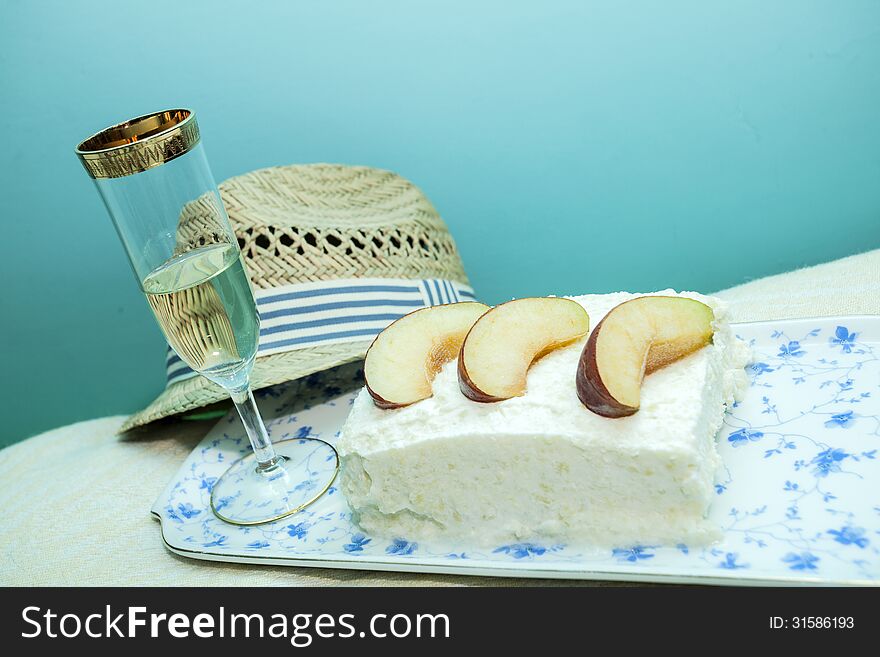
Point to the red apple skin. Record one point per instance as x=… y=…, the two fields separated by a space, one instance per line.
x=381 y=402
x=468 y=388
x=439 y=355
x=378 y=400
x=592 y=390
x=588 y=383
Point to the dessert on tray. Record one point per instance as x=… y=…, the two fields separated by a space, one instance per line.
x=589 y=419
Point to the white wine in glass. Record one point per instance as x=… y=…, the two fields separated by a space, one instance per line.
x=154 y=179
x=203 y=302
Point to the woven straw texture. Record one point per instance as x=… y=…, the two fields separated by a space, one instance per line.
x=313 y=222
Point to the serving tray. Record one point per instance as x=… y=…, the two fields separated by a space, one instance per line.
x=798 y=496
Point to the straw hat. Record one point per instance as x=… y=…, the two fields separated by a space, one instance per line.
x=320 y=232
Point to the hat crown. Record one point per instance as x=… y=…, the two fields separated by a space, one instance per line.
x=314 y=222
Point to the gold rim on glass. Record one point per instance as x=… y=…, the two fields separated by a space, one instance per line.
x=290 y=512
x=139 y=144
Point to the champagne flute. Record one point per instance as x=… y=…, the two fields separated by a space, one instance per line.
x=154 y=179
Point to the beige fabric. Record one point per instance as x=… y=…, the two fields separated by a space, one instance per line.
x=76 y=499
x=849 y=286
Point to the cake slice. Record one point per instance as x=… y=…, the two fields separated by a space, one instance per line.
x=542 y=465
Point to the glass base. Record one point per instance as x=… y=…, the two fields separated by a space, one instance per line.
x=246 y=495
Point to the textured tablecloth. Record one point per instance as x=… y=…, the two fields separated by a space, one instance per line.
x=76 y=500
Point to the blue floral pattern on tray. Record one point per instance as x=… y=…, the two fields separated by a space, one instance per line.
x=798 y=496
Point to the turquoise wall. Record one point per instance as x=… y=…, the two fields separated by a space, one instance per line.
x=571 y=146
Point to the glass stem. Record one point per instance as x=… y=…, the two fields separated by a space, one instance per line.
x=243 y=398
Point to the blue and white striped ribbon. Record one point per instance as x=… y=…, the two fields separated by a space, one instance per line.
x=350 y=310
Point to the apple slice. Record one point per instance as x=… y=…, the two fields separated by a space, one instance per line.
x=502 y=345
x=634 y=339
x=405 y=357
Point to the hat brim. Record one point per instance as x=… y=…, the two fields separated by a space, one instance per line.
x=197 y=391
